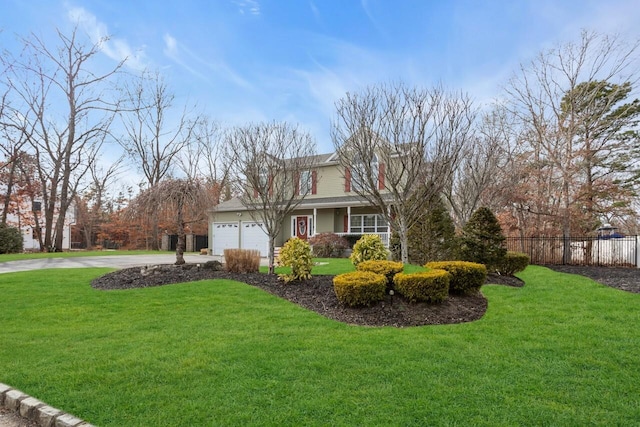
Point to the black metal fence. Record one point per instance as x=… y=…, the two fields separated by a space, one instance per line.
x=598 y=251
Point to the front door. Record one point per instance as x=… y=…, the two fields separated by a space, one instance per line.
x=302 y=227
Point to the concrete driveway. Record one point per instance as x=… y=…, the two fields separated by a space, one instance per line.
x=113 y=261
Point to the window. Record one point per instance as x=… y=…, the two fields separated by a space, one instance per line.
x=37 y=206
x=371 y=223
x=358 y=179
x=305 y=182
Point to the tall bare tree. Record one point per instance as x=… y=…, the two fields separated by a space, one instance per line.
x=475 y=181
x=266 y=160
x=203 y=158
x=155 y=131
x=399 y=146
x=62 y=104
x=94 y=199
x=550 y=96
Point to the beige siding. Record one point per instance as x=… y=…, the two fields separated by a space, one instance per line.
x=330 y=182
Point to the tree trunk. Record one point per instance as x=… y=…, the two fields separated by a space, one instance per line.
x=272 y=247
x=180 y=245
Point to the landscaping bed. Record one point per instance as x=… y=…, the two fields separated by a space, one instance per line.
x=316 y=294
x=623 y=278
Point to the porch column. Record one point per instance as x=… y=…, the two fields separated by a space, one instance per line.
x=348 y=219
x=315 y=221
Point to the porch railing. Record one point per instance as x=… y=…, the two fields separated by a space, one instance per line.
x=385 y=237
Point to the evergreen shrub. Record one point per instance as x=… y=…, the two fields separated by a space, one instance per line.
x=368 y=248
x=482 y=240
x=10 y=240
x=431 y=286
x=359 y=288
x=466 y=277
x=513 y=262
x=328 y=245
x=296 y=253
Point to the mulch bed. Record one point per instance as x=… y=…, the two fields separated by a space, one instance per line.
x=317 y=294
x=623 y=278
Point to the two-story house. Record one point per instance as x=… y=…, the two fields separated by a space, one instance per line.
x=331 y=205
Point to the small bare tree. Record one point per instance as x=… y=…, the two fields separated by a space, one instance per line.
x=266 y=160
x=399 y=146
x=184 y=201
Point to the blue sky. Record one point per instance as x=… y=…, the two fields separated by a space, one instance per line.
x=253 y=60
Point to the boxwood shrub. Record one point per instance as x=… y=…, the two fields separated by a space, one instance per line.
x=386 y=268
x=430 y=286
x=359 y=288
x=466 y=277
x=513 y=262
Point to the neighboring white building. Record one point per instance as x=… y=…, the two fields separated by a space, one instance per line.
x=22 y=218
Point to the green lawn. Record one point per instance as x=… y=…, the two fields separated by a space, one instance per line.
x=563 y=350
x=75 y=254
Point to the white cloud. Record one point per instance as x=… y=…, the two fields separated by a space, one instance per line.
x=179 y=53
x=250 y=6
x=115 y=48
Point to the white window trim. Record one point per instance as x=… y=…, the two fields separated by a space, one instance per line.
x=377 y=228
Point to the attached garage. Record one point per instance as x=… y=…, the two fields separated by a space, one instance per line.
x=254 y=237
x=226 y=235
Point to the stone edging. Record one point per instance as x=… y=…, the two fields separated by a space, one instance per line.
x=37 y=411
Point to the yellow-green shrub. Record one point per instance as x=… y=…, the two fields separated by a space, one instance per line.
x=369 y=247
x=386 y=268
x=430 y=286
x=466 y=277
x=359 y=288
x=296 y=253
x=513 y=262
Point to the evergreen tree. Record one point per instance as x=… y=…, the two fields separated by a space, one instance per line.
x=433 y=237
x=482 y=240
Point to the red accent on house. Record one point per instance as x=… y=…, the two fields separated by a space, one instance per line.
x=381 y=176
x=296 y=183
x=255 y=192
x=347 y=180
x=270 y=185
x=346 y=223
x=314 y=182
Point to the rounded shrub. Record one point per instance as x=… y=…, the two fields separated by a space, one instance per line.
x=430 y=286
x=466 y=277
x=296 y=253
x=513 y=262
x=10 y=240
x=328 y=245
x=386 y=268
x=359 y=288
x=368 y=248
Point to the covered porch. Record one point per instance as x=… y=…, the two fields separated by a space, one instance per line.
x=352 y=219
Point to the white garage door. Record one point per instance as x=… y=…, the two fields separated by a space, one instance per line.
x=225 y=236
x=254 y=237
